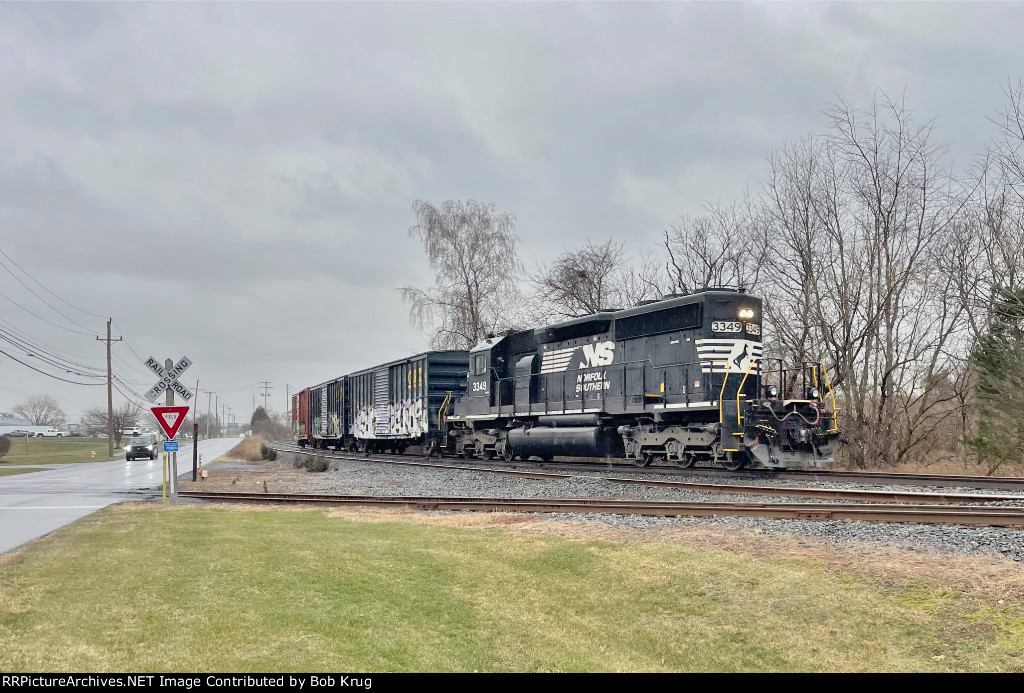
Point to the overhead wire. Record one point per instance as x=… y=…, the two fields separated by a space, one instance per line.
x=23 y=271
x=50 y=322
x=32 y=291
x=49 y=375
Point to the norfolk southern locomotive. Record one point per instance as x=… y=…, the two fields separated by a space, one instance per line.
x=683 y=379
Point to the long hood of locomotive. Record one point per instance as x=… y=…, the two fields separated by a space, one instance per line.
x=715 y=355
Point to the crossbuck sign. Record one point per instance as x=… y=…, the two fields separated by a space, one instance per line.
x=168 y=378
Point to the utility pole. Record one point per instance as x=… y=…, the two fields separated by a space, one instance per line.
x=110 y=390
x=209 y=398
x=266 y=392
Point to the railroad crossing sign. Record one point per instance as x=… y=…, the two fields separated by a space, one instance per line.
x=168 y=378
x=170 y=418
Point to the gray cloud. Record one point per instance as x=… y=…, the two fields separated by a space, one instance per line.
x=254 y=164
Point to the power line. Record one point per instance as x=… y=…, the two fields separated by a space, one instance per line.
x=66 y=329
x=46 y=357
x=31 y=291
x=81 y=310
x=38 y=343
x=49 y=375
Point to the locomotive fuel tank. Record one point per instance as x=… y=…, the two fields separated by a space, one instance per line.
x=576 y=441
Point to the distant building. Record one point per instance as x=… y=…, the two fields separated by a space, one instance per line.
x=14 y=421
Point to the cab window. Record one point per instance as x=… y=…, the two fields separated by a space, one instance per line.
x=479 y=364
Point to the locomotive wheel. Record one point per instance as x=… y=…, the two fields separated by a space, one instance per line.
x=645 y=460
x=686 y=462
x=733 y=461
x=506 y=452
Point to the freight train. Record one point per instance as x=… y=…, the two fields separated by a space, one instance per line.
x=683 y=380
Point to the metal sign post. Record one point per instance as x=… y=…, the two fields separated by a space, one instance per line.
x=170 y=417
x=195 y=450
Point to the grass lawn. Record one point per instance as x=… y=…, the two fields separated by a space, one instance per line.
x=148 y=588
x=59 y=450
x=21 y=470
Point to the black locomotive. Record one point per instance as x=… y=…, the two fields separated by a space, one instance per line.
x=682 y=379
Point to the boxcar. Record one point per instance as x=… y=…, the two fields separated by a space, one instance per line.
x=390 y=406
x=300 y=417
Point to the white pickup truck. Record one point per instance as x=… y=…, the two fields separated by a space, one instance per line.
x=51 y=432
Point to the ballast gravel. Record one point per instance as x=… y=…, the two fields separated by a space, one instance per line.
x=378 y=479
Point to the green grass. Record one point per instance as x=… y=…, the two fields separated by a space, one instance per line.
x=59 y=450
x=155 y=589
x=21 y=470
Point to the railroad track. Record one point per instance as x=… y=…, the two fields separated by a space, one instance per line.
x=915 y=514
x=879 y=478
x=865 y=495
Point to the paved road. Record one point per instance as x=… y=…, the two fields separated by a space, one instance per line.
x=35 y=504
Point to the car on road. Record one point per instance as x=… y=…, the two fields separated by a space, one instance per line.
x=50 y=433
x=140 y=446
x=132 y=431
x=20 y=433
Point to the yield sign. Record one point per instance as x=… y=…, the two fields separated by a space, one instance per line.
x=170 y=418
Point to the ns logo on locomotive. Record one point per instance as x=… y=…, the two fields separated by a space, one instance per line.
x=683 y=379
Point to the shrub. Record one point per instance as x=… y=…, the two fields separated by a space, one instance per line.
x=5 y=445
x=311 y=463
x=267 y=452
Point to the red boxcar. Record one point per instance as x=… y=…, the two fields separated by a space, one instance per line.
x=300 y=417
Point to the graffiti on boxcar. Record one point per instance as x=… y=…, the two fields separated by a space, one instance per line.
x=408 y=419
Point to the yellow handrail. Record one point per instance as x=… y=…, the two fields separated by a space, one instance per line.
x=721 y=409
x=739 y=392
x=831 y=394
x=443 y=409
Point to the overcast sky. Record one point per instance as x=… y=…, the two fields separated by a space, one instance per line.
x=234 y=182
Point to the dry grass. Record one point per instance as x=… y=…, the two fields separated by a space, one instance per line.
x=978 y=576
x=248 y=450
x=372 y=590
x=950 y=464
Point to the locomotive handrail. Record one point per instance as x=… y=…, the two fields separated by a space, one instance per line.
x=832 y=395
x=739 y=390
x=721 y=395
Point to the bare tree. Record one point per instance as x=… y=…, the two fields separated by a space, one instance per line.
x=41 y=410
x=580 y=282
x=712 y=250
x=94 y=421
x=594 y=277
x=127 y=415
x=472 y=251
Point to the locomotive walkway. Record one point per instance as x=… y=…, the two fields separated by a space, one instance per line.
x=35 y=504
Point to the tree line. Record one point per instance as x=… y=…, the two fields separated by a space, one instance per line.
x=873 y=255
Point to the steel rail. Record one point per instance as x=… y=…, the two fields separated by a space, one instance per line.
x=914 y=514
x=743 y=489
x=891 y=478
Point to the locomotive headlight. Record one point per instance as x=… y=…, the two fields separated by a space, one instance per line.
x=746 y=313
x=813 y=393
x=771 y=391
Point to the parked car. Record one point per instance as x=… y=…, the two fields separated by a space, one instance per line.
x=140 y=446
x=19 y=433
x=133 y=431
x=50 y=433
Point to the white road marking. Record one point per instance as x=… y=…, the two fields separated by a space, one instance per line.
x=50 y=507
